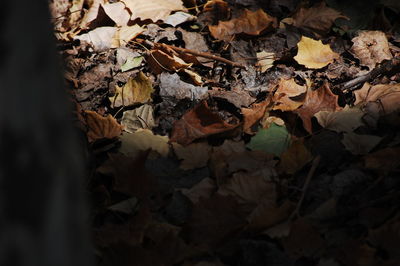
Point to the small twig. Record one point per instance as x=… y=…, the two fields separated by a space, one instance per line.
x=314 y=166
x=385 y=67
x=195 y=53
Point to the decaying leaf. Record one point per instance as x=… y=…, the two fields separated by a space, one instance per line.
x=172 y=86
x=133 y=144
x=318 y=19
x=252 y=115
x=200 y=122
x=360 y=144
x=131 y=63
x=294 y=158
x=165 y=60
x=314 y=54
x=346 y=120
x=385 y=160
x=101 y=127
x=141 y=117
x=152 y=9
x=288 y=95
x=321 y=99
x=386 y=96
x=136 y=90
x=249 y=22
x=193 y=156
x=371 y=47
x=265 y=60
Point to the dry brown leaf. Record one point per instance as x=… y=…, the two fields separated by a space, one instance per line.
x=386 y=96
x=117 y=12
x=294 y=158
x=252 y=115
x=314 y=54
x=152 y=9
x=384 y=160
x=125 y=34
x=265 y=60
x=249 y=22
x=137 y=90
x=199 y=122
x=193 y=156
x=161 y=60
x=288 y=95
x=318 y=19
x=213 y=220
x=204 y=189
x=321 y=99
x=100 y=127
x=371 y=47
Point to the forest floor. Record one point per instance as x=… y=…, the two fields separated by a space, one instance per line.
x=238 y=132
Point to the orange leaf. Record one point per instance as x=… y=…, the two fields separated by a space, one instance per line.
x=286 y=97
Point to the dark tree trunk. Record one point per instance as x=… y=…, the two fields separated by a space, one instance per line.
x=42 y=210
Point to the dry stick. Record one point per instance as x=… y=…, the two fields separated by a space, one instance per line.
x=385 y=67
x=195 y=53
x=305 y=186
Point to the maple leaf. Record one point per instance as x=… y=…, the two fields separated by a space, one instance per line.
x=137 y=90
x=314 y=54
x=371 y=47
x=101 y=127
x=318 y=18
x=321 y=99
x=200 y=122
x=249 y=22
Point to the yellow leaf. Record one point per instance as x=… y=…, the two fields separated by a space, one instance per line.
x=137 y=90
x=314 y=54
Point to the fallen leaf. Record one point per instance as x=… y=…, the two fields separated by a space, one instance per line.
x=213 y=220
x=199 y=122
x=125 y=34
x=321 y=99
x=161 y=60
x=288 y=95
x=100 y=38
x=133 y=144
x=303 y=240
x=101 y=127
x=130 y=175
x=249 y=22
x=251 y=189
x=204 y=189
x=117 y=12
x=265 y=60
x=294 y=158
x=172 y=86
x=274 y=140
x=178 y=18
x=136 y=90
x=314 y=54
x=346 y=120
x=385 y=160
x=269 y=214
x=152 y=9
x=252 y=115
x=131 y=63
x=371 y=47
x=193 y=156
x=360 y=144
x=318 y=18
x=141 y=117
x=386 y=96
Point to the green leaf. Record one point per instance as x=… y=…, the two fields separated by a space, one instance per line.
x=131 y=63
x=274 y=139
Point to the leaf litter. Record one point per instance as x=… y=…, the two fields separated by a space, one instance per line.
x=237 y=132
